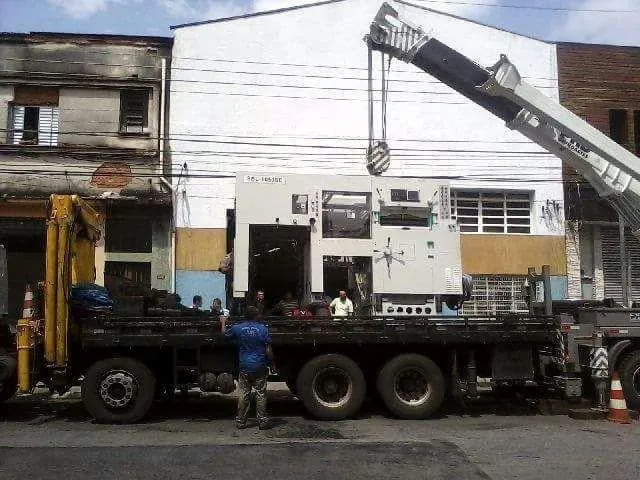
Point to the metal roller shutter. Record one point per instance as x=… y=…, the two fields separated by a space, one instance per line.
x=611 y=265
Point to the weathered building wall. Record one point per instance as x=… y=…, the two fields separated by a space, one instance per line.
x=595 y=82
x=286 y=92
x=96 y=115
x=81 y=114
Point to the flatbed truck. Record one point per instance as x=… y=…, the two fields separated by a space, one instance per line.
x=411 y=361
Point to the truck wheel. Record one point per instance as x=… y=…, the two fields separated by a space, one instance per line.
x=629 y=371
x=331 y=387
x=118 y=390
x=411 y=386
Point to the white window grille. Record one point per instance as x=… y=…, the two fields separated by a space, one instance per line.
x=492 y=212
x=32 y=125
x=495 y=294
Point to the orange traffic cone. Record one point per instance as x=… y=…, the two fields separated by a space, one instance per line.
x=27 y=306
x=617 y=405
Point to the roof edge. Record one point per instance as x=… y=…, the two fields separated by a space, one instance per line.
x=584 y=44
x=458 y=17
x=99 y=37
x=254 y=14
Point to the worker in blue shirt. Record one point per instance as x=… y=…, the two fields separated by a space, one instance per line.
x=255 y=354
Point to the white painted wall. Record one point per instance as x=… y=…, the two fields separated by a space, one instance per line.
x=427 y=121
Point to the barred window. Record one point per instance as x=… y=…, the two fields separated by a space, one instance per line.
x=134 y=106
x=495 y=294
x=492 y=212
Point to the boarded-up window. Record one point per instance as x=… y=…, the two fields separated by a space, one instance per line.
x=34 y=125
x=134 y=106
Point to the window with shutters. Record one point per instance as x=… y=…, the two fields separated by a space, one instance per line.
x=492 y=212
x=34 y=125
x=134 y=107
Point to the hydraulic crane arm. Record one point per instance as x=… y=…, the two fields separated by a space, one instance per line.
x=611 y=169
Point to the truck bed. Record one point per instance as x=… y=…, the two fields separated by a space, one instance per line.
x=106 y=331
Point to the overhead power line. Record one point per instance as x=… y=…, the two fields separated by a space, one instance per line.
x=179 y=137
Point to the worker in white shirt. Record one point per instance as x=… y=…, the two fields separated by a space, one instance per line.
x=217 y=308
x=341 y=306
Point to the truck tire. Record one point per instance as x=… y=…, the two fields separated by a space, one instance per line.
x=331 y=387
x=118 y=390
x=411 y=386
x=629 y=371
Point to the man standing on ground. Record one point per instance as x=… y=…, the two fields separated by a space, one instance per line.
x=254 y=348
x=341 y=306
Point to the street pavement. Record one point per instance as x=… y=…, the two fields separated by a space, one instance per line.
x=195 y=438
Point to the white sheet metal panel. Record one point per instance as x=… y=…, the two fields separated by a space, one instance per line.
x=407 y=260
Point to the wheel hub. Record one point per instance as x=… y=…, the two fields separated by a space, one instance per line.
x=412 y=386
x=117 y=389
x=636 y=380
x=332 y=387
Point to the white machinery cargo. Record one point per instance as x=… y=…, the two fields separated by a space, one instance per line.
x=390 y=241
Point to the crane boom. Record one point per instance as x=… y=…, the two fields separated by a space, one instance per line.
x=612 y=170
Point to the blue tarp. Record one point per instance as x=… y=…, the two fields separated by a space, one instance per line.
x=90 y=299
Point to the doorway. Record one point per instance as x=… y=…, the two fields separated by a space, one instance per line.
x=352 y=274
x=24 y=241
x=277 y=259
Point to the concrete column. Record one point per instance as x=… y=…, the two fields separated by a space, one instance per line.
x=574 y=277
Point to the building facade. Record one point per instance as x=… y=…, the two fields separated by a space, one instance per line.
x=601 y=84
x=85 y=114
x=286 y=91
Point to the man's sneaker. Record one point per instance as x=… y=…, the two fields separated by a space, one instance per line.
x=241 y=425
x=264 y=425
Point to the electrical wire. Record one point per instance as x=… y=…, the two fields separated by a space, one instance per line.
x=179 y=135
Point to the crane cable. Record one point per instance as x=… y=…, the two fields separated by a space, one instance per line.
x=378 y=157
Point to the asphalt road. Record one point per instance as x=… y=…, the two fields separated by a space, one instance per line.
x=196 y=438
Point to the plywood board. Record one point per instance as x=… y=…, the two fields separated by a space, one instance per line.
x=200 y=248
x=23 y=210
x=512 y=254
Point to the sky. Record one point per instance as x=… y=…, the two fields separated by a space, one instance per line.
x=592 y=21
